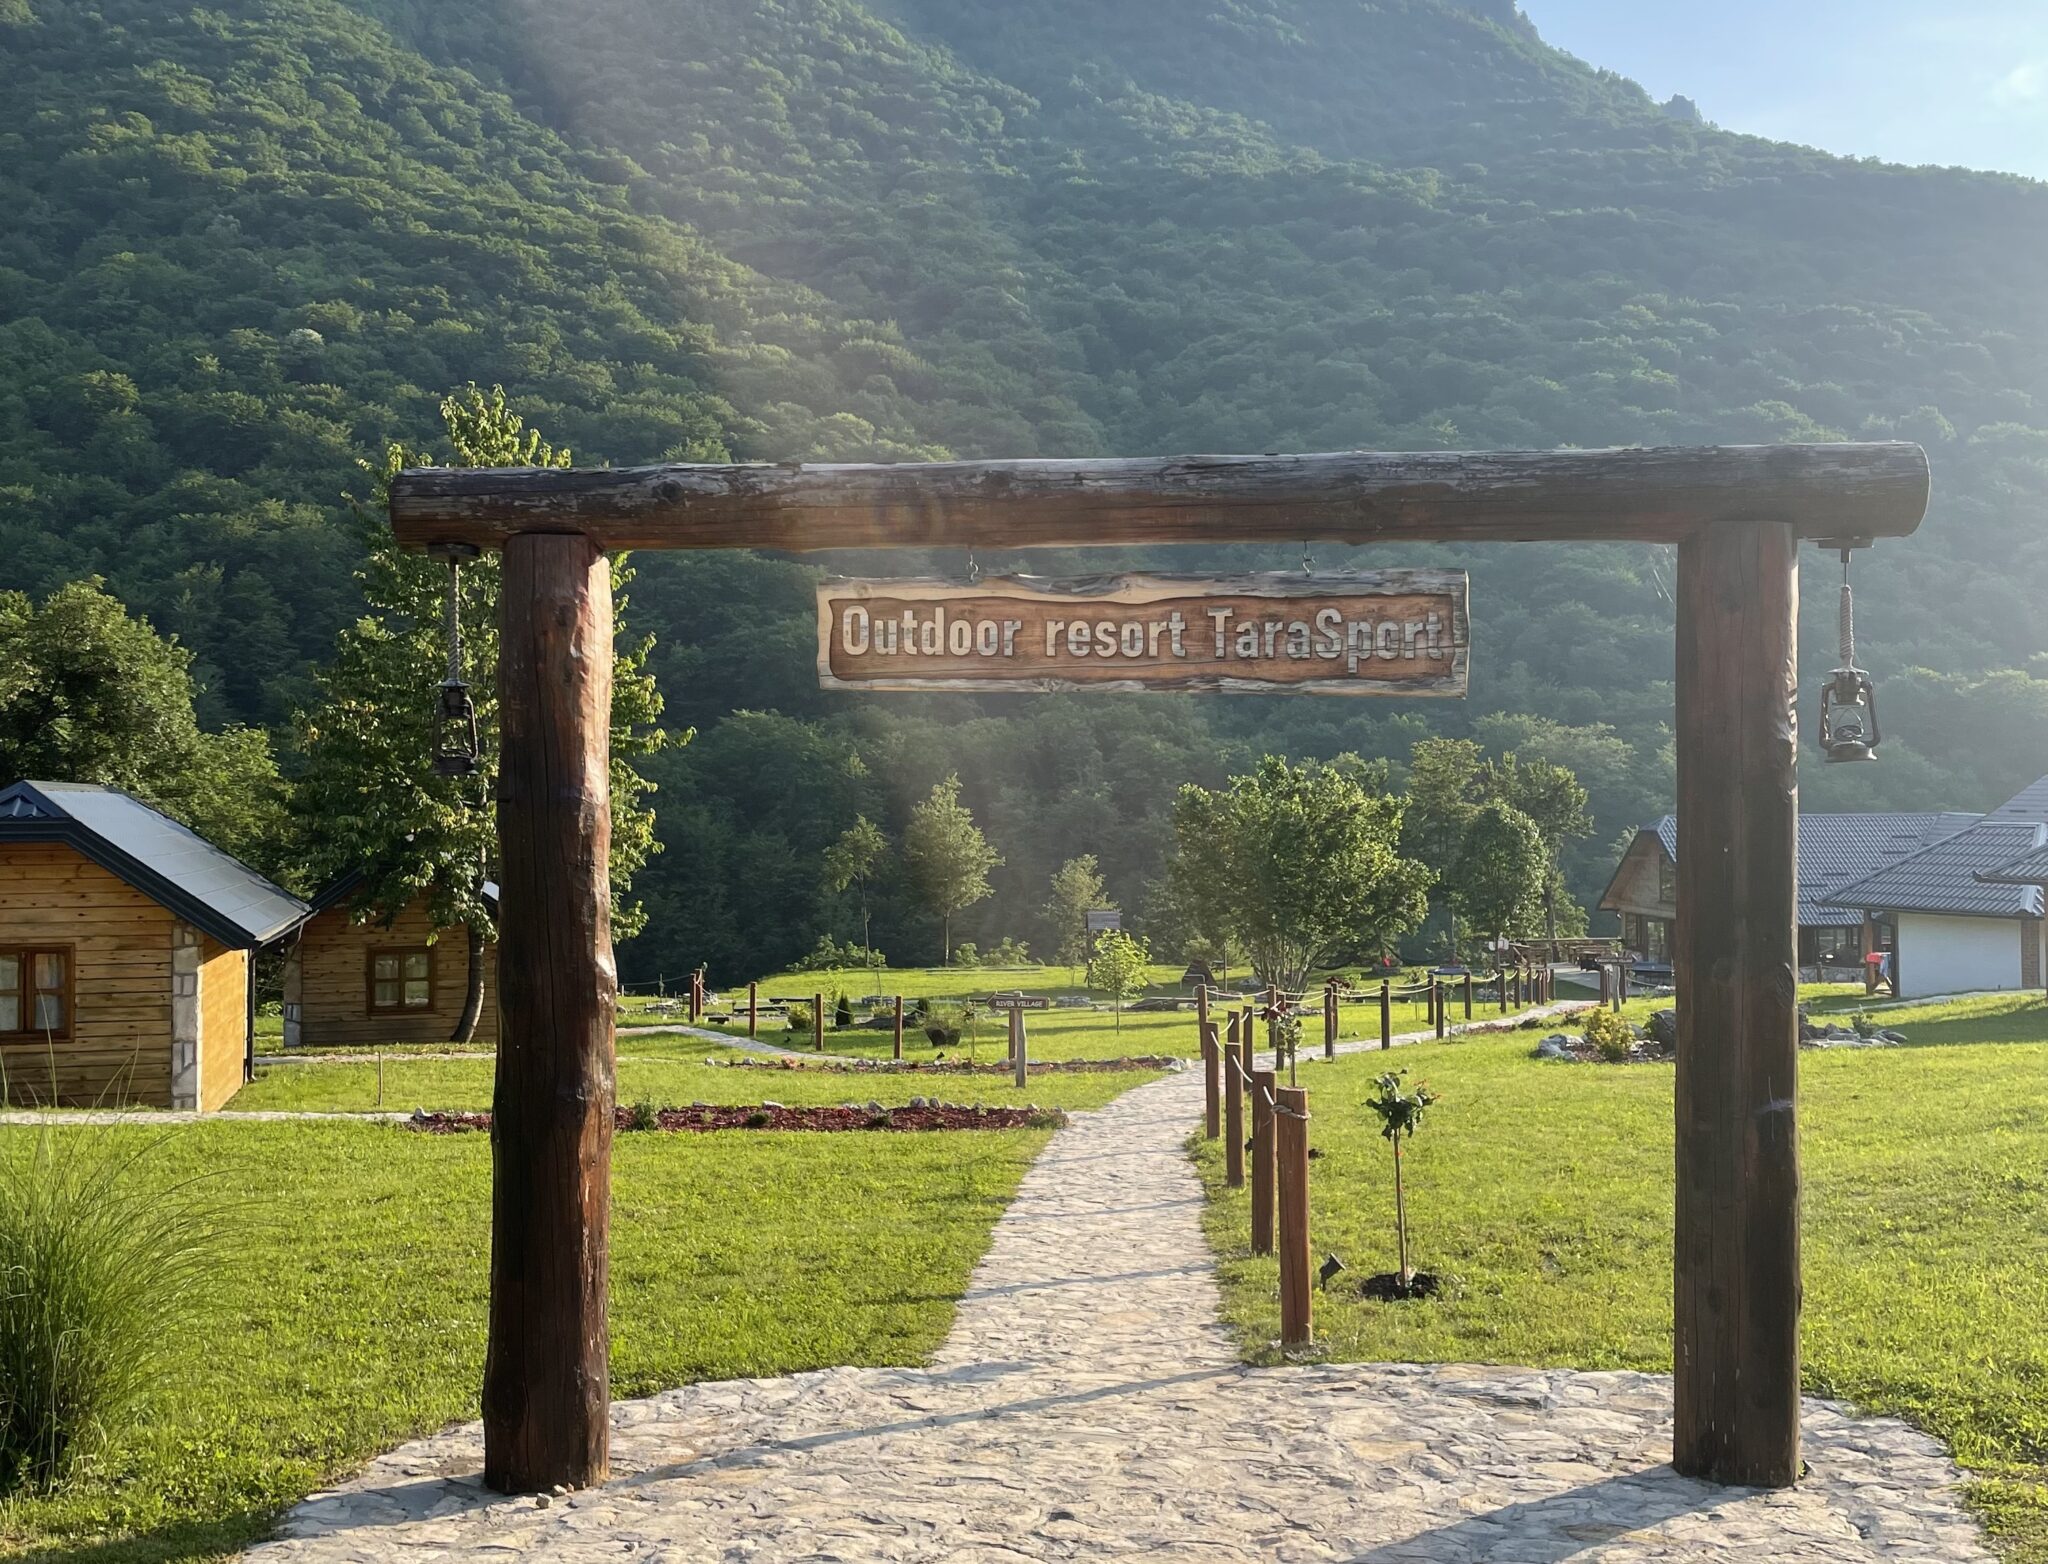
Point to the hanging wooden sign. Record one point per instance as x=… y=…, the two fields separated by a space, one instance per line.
x=1382 y=632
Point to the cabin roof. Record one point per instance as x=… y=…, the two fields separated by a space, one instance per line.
x=1955 y=875
x=1838 y=850
x=337 y=891
x=168 y=862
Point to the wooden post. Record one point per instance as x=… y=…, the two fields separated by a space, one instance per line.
x=1386 y=1015
x=1020 y=1048
x=1262 y=1160
x=547 y=1388
x=1436 y=1003
x=1736 y=1265
x=1468 y=996
x=1621 y=985
x=818 y=1022
x=753 y=1008
x=1290 y=1152
x=896 y=1031
x=1233 y=1116
x=1329 y=1020
x=1201 y=1004
x=696 y=997
x=1500 y=981
x=1212 y=1083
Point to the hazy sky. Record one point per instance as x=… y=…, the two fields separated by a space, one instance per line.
x=1912 y=81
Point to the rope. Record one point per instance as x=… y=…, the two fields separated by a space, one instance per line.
x=452 y=620
x=1848 y=616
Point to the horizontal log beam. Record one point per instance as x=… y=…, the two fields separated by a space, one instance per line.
x=1657 y=496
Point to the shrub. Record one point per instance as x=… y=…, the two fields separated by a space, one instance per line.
x=966 y=955
x=1008 y=953
x=831 y=956
x=758 y=1119
x=1610 y=1035
x=842 y=1013
x=643 y=1116
x=799 y=1018
x=100 y=1264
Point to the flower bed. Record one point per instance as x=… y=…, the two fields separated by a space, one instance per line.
x=705 y=1117
x=954 y=1066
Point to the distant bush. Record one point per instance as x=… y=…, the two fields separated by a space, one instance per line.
x=842 y=1013
x=100 y=1264
x=643 y=1116
x=831 y=956
x=1008 y=953
x=966 y=954
x=1610 y=1035
x=799 y=1018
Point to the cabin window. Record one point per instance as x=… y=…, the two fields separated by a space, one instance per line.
x=35 y=993
x=401 y=979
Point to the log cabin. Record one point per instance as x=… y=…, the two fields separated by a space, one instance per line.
x=353 y=980
x=126 y=953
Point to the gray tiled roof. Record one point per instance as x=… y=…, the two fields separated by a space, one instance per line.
x=1837 y=850
x=164 y=860
x=1947 y=877
x=2030 y=870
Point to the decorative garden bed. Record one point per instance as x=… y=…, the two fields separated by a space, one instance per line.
x=702 y=1118
x=954 y=1066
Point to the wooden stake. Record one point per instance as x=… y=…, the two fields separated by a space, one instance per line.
x=1468 y=996
x=1329 y=1020
x=1233 y=1116
x=1020 y=1047
x=1737 y=1270
x=753 y=1008
x=1386 y=1014
x=896 y=1031
x=1262 y=1171
x=1201 y=1004
x=546 y=1391
x=1436 y=1004
x=818 y=1022
x=1212 y=1083
x=1290 y=1137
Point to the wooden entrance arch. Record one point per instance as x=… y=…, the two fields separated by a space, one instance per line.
x=1737 y=515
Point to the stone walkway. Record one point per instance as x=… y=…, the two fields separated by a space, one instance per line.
x=1088 y=1405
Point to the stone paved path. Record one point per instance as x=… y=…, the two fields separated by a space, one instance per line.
x=1088 y=1406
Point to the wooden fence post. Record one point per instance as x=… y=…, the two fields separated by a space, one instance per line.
x=1468 y=996
x=896 y=1037
x=753 y=1008
x=1262 y=1160
x=1436 y=1003
x=1386 y=1014
x=1736 y=1261
x=1330 y=1020
x=1233 y=1116
x=696 y=1002
x=546 y=1391
x=818 y=1022
x=1212 y=1082
x=1201 y=1004
x=1290 y=1148
x=1500 y=978
x=1020 y=1047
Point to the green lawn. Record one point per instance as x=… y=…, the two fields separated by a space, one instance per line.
x=1545 y=1190
x=349 y=1313
x=666 y=1071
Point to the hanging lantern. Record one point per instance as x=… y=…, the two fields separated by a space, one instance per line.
x=456 y=749
x=1848 y=701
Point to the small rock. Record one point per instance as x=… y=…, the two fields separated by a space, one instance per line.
x=1555 y=1046
x=541 y=1501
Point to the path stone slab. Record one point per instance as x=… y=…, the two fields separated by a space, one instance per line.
x=1088 y=1405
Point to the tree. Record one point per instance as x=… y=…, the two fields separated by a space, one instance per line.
x=851 y=860
x=1550 y=795
x=1120 y=966
x=90 y=694
x=1445 y=778
x=1501 y=869
x=1296 y=862
x=1077 y=889
x=370 y=799
x=1400 y=1116
x=947 y=856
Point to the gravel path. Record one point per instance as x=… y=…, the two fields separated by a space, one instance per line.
x=1088 y=1405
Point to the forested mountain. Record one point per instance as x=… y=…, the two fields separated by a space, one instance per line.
x=250 y=241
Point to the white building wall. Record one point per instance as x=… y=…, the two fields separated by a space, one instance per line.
x=1944 y=955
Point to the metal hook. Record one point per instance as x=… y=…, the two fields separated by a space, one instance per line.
x=1308 y=565
x=973 y=570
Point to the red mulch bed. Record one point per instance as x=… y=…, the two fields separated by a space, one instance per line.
x=746 y=1116
x=953 y=1066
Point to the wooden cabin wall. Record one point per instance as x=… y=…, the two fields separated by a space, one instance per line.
x=120 y=1047
x=223 y=1021
x=328 y=981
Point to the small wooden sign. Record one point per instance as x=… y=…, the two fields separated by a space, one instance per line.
x=1019 y=1002
x=1382 y=632
x=1103 y=920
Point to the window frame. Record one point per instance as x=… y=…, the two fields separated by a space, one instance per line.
x=68 y=995
x=401 y=952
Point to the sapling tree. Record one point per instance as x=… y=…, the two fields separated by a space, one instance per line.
x=1119 y=968
x=1400 y=1116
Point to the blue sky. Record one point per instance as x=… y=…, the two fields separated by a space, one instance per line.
x=1912 y=81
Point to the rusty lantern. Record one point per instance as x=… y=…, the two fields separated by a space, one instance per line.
x=1848 y=701
x=456 y=749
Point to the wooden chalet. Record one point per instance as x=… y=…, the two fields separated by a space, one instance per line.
x=381 y=980
x=125 y=952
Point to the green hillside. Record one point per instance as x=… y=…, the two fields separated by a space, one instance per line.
x=816 y=228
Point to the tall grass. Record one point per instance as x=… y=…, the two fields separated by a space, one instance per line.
x=102 y=1258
